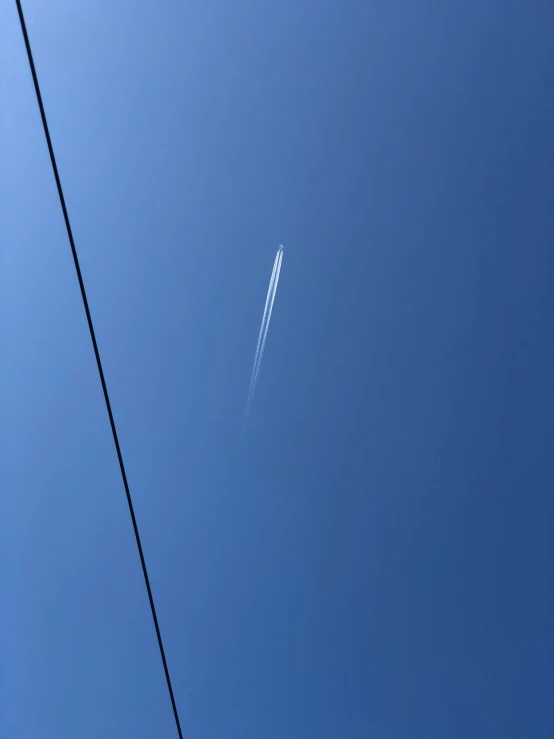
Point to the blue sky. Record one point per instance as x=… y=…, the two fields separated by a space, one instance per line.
x=374 y=557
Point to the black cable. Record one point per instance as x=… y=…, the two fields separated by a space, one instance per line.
x=98 y=362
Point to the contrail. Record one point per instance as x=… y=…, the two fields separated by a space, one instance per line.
x=264 y=328
x=264 y=318
x=273 y=293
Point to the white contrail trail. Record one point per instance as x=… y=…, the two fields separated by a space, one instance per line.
x=264 y=317
x=260 y=335
x=262 y=347
x=268 y=308
x=264 y=327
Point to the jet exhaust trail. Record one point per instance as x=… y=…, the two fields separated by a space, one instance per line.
x=262 y=347
x=264 y=328
x=264 y=318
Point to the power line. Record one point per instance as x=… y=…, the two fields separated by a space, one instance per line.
x=98 y=361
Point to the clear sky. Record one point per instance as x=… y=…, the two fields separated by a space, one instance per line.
x=374 y=557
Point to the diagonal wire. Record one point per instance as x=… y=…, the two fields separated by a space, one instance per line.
x=98 y=362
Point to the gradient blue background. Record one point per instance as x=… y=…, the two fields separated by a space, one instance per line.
x=374 y=558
